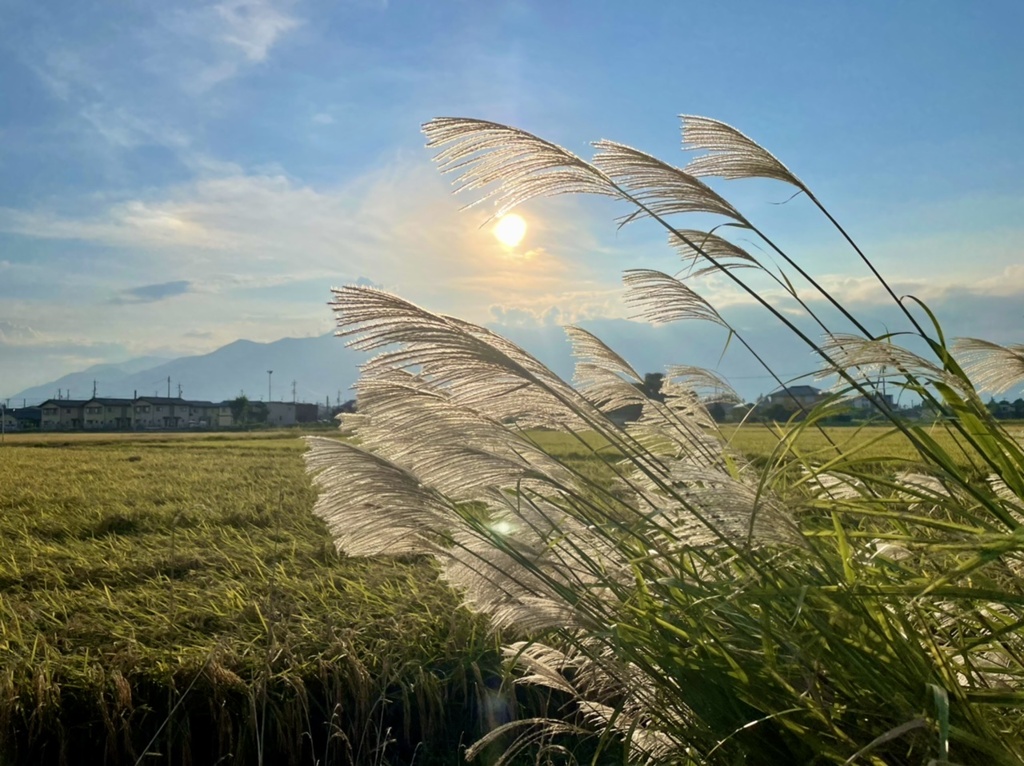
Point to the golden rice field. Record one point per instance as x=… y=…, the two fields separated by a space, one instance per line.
x=144 y=574
x=169 y=598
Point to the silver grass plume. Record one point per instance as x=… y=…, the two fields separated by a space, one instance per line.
x=679 y=427
x=509 y=166
x=534 y=567
x=601 y=676
x=990 y=366
x=709 y=386
x=358 y=488
x=707 y=507
x=601 y=375
x=870 y=360
x=662 y=188
x=695 y=247
x=481 y=369
x=662 y=298
x=733 y=154
x=611 y=383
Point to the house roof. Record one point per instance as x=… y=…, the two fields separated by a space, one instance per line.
x=24 y=412
x=174 y=400
x=798 y=391
x=63 y=403
x=108 y=402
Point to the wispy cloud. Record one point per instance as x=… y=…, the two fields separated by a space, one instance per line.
x=253 y=26
x=238 y=33
x=122 y=129
x=17 y=334
x=153 y=293
x=397 y=226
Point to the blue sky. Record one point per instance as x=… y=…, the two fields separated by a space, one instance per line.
x=174 y=176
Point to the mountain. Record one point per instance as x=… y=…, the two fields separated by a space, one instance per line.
x=80 y=383
x=319 y=366
x=322 y=367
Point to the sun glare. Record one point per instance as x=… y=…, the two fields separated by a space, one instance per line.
x=510 y=229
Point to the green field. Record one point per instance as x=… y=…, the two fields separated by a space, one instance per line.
x=148 y=573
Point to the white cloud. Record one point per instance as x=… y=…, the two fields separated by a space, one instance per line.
x=237 y=33
x=253 y=26
x=17 y=334
x=122 y=129
x=397 y=226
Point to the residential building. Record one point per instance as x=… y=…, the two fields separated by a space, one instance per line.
x=62 y=414
x=863 y=403
x=222 y=414
x=290 y=413
x=796 y=397
x=28 y=418
x=103 y=414
x=147 y=413
x=174 y=412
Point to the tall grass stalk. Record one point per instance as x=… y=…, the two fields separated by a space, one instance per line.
x=691 y=605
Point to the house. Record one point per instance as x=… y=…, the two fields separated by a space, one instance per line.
x=26 y=418
x=62 y=414
x=106 y=414
x=290 y=413
x=8 y=422
x=862 y=403
x=147 y=413
x=173 y=412
x=795 y=397
x=222 y=415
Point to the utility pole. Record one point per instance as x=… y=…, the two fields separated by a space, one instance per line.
x=94 y=388
x=168 y=386
x=179 y=390
x=3 y=423
x=293 y=392
x=269 y=389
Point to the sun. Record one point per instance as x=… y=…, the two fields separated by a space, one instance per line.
x=510 y=229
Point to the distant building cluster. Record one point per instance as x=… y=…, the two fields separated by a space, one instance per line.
x=152 y=413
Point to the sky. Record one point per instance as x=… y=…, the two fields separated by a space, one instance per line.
x=178 y=175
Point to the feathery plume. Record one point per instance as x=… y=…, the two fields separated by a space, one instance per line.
x=733 y=154
x=990 y=366
x=873 y=359
x=662 y=188
x=510 y=165
x=358 y=489
x=663 y=298
x=696 y=246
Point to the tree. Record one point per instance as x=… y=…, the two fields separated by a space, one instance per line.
x=653 y=382
x=259 y=412
x=717 y=411
x=240 y=409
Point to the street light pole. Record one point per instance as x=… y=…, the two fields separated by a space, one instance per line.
x=269 y=373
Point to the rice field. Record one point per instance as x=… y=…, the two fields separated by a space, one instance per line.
x=170 y=598
x=148 y=574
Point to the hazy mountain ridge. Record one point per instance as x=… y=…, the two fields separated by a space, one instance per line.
x=323 y=367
